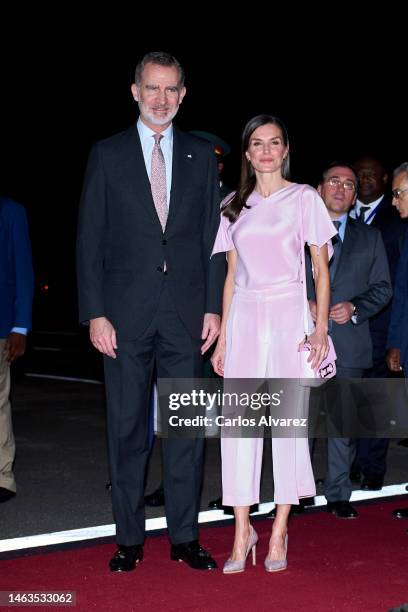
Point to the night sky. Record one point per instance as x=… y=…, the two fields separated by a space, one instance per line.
x=339 y=92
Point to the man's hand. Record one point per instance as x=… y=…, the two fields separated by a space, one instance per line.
x=103 y=336
x=211 y=330
x=393 y=359
x=341 y=313
x=15 y=346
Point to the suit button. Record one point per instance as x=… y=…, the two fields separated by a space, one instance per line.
x=164 y=242
x=159 y=269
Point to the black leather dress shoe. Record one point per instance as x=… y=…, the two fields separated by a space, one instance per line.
x=294 y=511
x=125 y=558
x=342 y=509
x=216 y=504
x=400 y=513
x=372 y=483
x=156 y=498
x=193 y=554
x=6 y=494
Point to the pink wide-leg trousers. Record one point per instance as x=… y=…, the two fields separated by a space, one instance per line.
x=263 y=333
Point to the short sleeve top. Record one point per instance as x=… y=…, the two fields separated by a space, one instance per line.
x=266 y=236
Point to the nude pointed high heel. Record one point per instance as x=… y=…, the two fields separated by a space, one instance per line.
x=234 y=567
x=277 y=565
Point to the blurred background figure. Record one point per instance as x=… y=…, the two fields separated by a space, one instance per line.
x=373 y=207
x=16 y=297
x=221 y=150
x=397 y=354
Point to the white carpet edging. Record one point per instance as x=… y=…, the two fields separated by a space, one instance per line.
x=207 y=516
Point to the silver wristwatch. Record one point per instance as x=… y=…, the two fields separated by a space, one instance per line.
x=354 y=315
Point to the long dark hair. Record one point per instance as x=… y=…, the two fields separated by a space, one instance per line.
x=247 y=179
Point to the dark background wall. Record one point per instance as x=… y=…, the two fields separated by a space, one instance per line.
x=339 y=89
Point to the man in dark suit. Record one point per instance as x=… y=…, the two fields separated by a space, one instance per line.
x=360 y=287
x=148 y=219
x=397 y=343
x=16 y=297
x=374 y=208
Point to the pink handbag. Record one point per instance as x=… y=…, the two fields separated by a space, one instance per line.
x=327 y=369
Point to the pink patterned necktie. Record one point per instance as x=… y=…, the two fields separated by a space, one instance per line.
x=158 y=181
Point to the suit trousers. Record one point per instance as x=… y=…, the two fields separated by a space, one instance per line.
x=372 y=452
x=7 y=443
x=341 y=451
x=128 y=386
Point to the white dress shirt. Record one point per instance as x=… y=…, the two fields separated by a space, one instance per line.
x=369 y=214
x=166 y=144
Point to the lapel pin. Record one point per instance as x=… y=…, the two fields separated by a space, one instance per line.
x=189 y=155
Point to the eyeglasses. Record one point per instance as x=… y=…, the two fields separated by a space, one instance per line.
x=396 y=193
x=348 y=184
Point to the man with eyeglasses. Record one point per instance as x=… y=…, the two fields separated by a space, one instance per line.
x=397 y=344
x=373 y=207
x=360 y=287
x=400 y=190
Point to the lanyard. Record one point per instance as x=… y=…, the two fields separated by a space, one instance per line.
x=370 y=216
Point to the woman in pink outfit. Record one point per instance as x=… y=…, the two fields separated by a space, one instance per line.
x=263 y=325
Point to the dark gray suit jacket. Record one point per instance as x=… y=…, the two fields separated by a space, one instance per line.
x=392 y=228
x=362 y=277
x=121 y=246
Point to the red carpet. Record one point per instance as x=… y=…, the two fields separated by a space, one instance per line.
x=353 y=565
